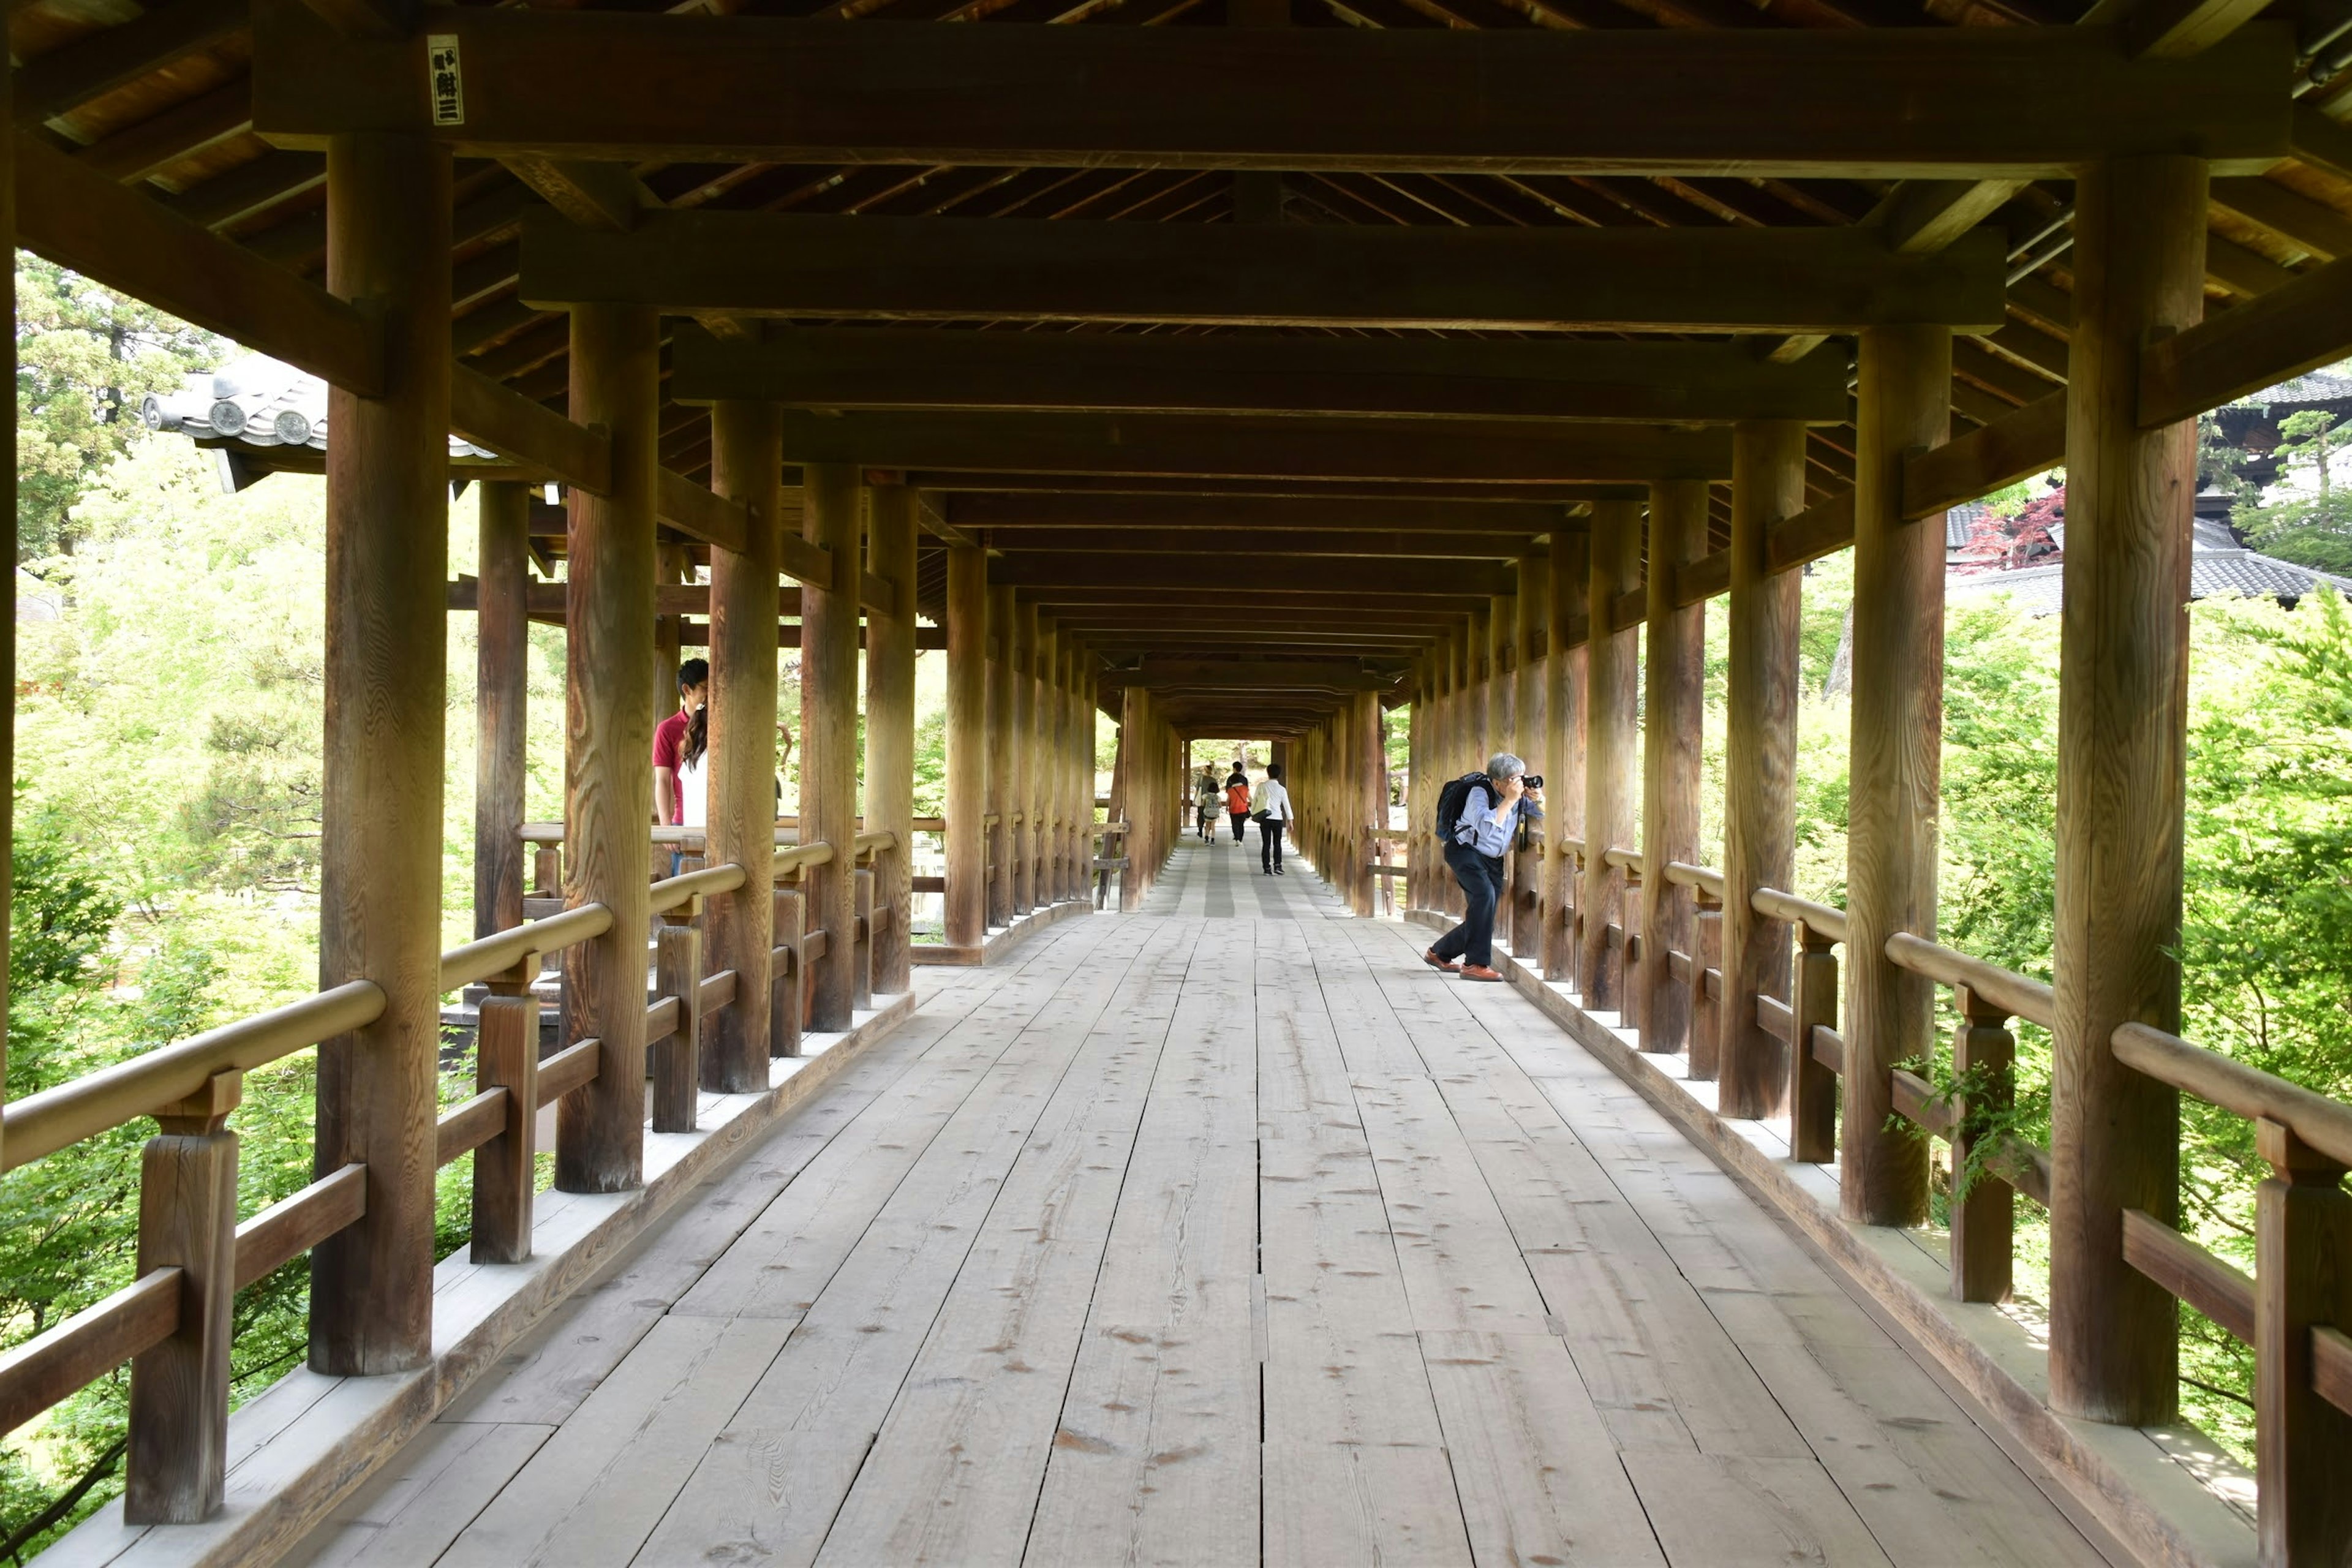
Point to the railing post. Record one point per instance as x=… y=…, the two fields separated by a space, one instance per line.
x=890 y=730
x=1633 y=953
x=387 y=687
x=179 y=1389
x=1612 y=752
x=829 y=733
x=608 y=807
x=1812 y=1085
x=746 y=466
x=677 y=974
x=1759 y=832
x=2123 y=691
x=1705 y=1010
x=861 y=962
x=506 y=1056
x=1984 y=1223
x=547 y=872
x=1572 y=558
x=2303 y=1280
x=1001 y=804
x=501 y=678
x=1673 y=732
x=789 y=986
x=1020 y=743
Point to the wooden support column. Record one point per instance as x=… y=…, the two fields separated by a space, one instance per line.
x=1529 y=648
x=608 y=778
x=1079 y=810
x=1612 y=758
x=829 y=735
x=999 y=755
x=501 y=682
x=1134 y=792
x=739 y=928
x=1044 y=653
x=1673 y=726
x=1020 y=745
x=890 y=730
x=2123 y=685
x=967 y=802
x=1759 y=763
x=179 y=1389
x=1564 y=712
x=1479 y=733
x=2303 y=1443
x=386 y=692
x=8 y=655
x=1903 y=403
x=1502 y=673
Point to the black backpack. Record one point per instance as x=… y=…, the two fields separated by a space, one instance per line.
x=1454 y=799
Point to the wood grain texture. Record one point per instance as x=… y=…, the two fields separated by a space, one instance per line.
x=739 y=927
x=1760 y=750
x=1673 y=734
x=1565 y=708
x=608 y=741
x=967 y=743
x=999 y=755
x=503 y=672
x=2122 y=754
x=890 y=726
x=178 y=1460
x=829 y=518
x=505 y=1172
x=1613 y=751
x=386 y=680
x=1896 y=752
x=2303 y=1226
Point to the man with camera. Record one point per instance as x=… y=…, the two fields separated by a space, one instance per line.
x=1477 y=817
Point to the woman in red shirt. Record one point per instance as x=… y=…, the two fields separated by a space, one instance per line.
x=1238 y=794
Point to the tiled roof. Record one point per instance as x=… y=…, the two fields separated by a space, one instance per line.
x=2230 y=571
x=1962 y=521
x=256 y=402
x=2319 y=386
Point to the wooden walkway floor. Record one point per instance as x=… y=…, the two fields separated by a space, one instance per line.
x=1226 y=1233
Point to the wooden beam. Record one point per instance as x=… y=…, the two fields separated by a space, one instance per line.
x=2296 y=328
x=380 y=19
x=1869 y=102
x=81 y=219
x=592 y=195
x=1251 y=675
x=986 y=514
x=90 y=67
x=1253 y=574
x=2022 y=443
x=162 y=139
x=962 y=487
x=797 y=264
x=1437 y=545
x=491 y=413
x=1923 y=215
x=1201 y=445
x=812 y=367
x=2176 y=29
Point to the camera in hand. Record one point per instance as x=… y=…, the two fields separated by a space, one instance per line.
x=1534 y=781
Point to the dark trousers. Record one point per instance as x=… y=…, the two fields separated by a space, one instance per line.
x=1239 y=817
x=1269 y=843
x=1472 y=941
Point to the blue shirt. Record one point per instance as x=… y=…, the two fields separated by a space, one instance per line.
x=1479 y=830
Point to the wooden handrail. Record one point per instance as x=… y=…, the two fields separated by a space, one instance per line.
x=2331 y=1367
x=2190 y=1273
x=567 y=1069
x=503 y=952
x=1622 y=859
x=298 y=1222
x=43 y=1123
x=1824 y=919
x=673 y=891
x=88 y=1345
x=2325 y=1124
x=466 y=1127
x=2019 y=995
x=799 y=857
x=879 y=839
x=1706 y=879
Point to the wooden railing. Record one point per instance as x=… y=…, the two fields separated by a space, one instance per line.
x=171 y=1322
x=2294 y=1312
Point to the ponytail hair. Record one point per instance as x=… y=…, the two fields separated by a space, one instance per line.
x=698 y=735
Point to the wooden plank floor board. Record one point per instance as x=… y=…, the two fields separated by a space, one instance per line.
x=1224 y=1233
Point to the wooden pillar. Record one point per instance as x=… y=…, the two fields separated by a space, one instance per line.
x=1478 y=732
x=739 y=927
x=1673 y=734
x=1564 y=710
x=1530 y=649
x=1045 y=653
x=967 y=802
x=1502 y=673
x=8 y=653
x=608 y=780
x=1904 y=402
x=830 y=493
x=386 y=692
x=2123 y=685
x=2302 y=1442
x=1613 y=755
x=890 y=730
x=179 y=1389
x=1079 y=810
x=1759 y=763
x=999 y=755
x=1134 y=792
x=1020 y=744
x=501 y=682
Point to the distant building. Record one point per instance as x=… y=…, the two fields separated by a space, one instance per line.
x=259 y=416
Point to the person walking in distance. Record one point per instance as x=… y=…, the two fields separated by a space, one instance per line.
x=1477 y=815
x=1273 y=813
x=1238 y=794
x=670 y=741
x=1209 y=796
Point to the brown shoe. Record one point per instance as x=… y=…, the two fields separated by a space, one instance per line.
x=1478 y=972
x=1431 y=959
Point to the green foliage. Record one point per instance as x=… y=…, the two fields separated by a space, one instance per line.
x=2313 y=530
x=85 y=357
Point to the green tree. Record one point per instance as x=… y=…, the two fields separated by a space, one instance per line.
x=85 y=358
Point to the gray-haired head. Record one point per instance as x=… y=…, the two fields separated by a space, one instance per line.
x=1503 y=765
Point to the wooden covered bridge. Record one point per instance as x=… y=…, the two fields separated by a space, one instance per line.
x=1220 y=367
